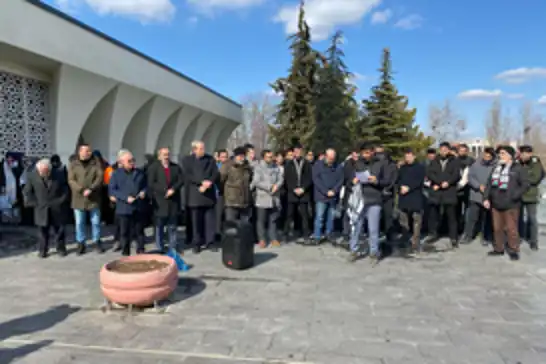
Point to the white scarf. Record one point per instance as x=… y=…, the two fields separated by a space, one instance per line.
x=11 y=184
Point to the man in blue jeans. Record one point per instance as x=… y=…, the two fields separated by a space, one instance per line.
x=327 y=182
x=85 y=180
x=370 y=174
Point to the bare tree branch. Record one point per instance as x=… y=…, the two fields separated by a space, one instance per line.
x=444 y=123
x=258 y=113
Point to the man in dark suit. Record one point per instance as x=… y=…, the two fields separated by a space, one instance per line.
x=164 y=183
x=201 y=178
x=298 y=177
x=46 y=191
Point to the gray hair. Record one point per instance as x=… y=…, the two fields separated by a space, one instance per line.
x=43 y=163
x=123 y=152
x=196 y=143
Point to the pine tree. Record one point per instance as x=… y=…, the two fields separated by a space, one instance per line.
x=386 y=117
x=335 y=101
x=296 y=116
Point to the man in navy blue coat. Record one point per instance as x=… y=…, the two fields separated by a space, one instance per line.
x=128 y=187
x=327 y=181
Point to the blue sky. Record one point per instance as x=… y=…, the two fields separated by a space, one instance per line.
x=466 y=51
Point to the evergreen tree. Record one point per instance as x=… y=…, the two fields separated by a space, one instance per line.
x=386 y=117
x=335 y=101
x=296 y=115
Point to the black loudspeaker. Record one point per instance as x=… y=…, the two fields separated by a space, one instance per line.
x=238 y=245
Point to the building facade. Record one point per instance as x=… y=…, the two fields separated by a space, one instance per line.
x=62 y=82
x=477 y=146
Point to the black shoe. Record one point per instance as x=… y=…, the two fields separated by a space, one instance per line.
x=141 y=251
x=62 y=252
x=533 y=246
x=81 y=249
x=98 y=247
x=212 y=247
x=514 y=256
x=432 y=239
x=454 y=244
x=196 y=249
x=43 y=255
x=117 y=247
x=126 y=253
x=495 y=253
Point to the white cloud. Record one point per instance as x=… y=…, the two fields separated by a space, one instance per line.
x=208 y=6
x=475 y=94
x=381 y=17
x=410 y=22
x=542 y=100
x=479 y=94
x=521 y=75
x=515 y=96
x=145 y=11
x=323 y=16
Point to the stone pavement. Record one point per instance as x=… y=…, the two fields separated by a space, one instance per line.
x=298 y=305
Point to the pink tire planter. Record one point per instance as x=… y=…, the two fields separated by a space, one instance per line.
x=139 y=280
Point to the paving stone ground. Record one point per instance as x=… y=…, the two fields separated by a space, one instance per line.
x=298 y=305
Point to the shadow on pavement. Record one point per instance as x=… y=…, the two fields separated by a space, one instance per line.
x=31 y=324
x=263 y=257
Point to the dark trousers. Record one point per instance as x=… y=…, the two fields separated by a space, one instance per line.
x=281 y=221
x=462 y=207
x=436 y=213
x=387 y=217
x=188 y=224
x=301 y=210
x=478 y=220
x=203 y=225
x=58 y=237
x=238 y=213
x=131 y=226
x=528 y=223
x=266 y=224
x=220 y=215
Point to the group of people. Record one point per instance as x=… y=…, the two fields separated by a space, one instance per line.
x=291 y=195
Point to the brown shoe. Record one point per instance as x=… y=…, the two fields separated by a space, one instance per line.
x=262 y=244
x=275 y=243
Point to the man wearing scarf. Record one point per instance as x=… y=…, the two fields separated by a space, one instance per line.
x=503 y=195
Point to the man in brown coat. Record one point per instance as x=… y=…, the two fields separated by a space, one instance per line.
x=235 y=179
x=85 y=180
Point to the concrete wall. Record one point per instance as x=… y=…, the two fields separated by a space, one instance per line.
x=109 y=95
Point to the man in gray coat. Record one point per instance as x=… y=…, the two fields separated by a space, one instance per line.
x=478 y=176
x=267 y=181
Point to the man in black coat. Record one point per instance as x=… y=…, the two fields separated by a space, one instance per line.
x=46 y=191
x=444 y=174
x=298 y=177
x=463 y=194
x=411 y=179
x=390 y=171
x=201 y=181
x=165 y=180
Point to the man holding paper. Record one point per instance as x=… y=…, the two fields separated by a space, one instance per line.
x=370 y=174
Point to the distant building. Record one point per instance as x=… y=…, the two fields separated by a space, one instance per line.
x=477 y=145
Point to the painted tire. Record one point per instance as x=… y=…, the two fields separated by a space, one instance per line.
x=140 y=288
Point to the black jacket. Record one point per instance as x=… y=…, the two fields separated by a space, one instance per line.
x=373 y=193
x=444 y=170
x=293 y=179
x=158 y=187
x=197 y=170
x=509 y=198
x=412 y=176
x=391 y=173
x=47 y=197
